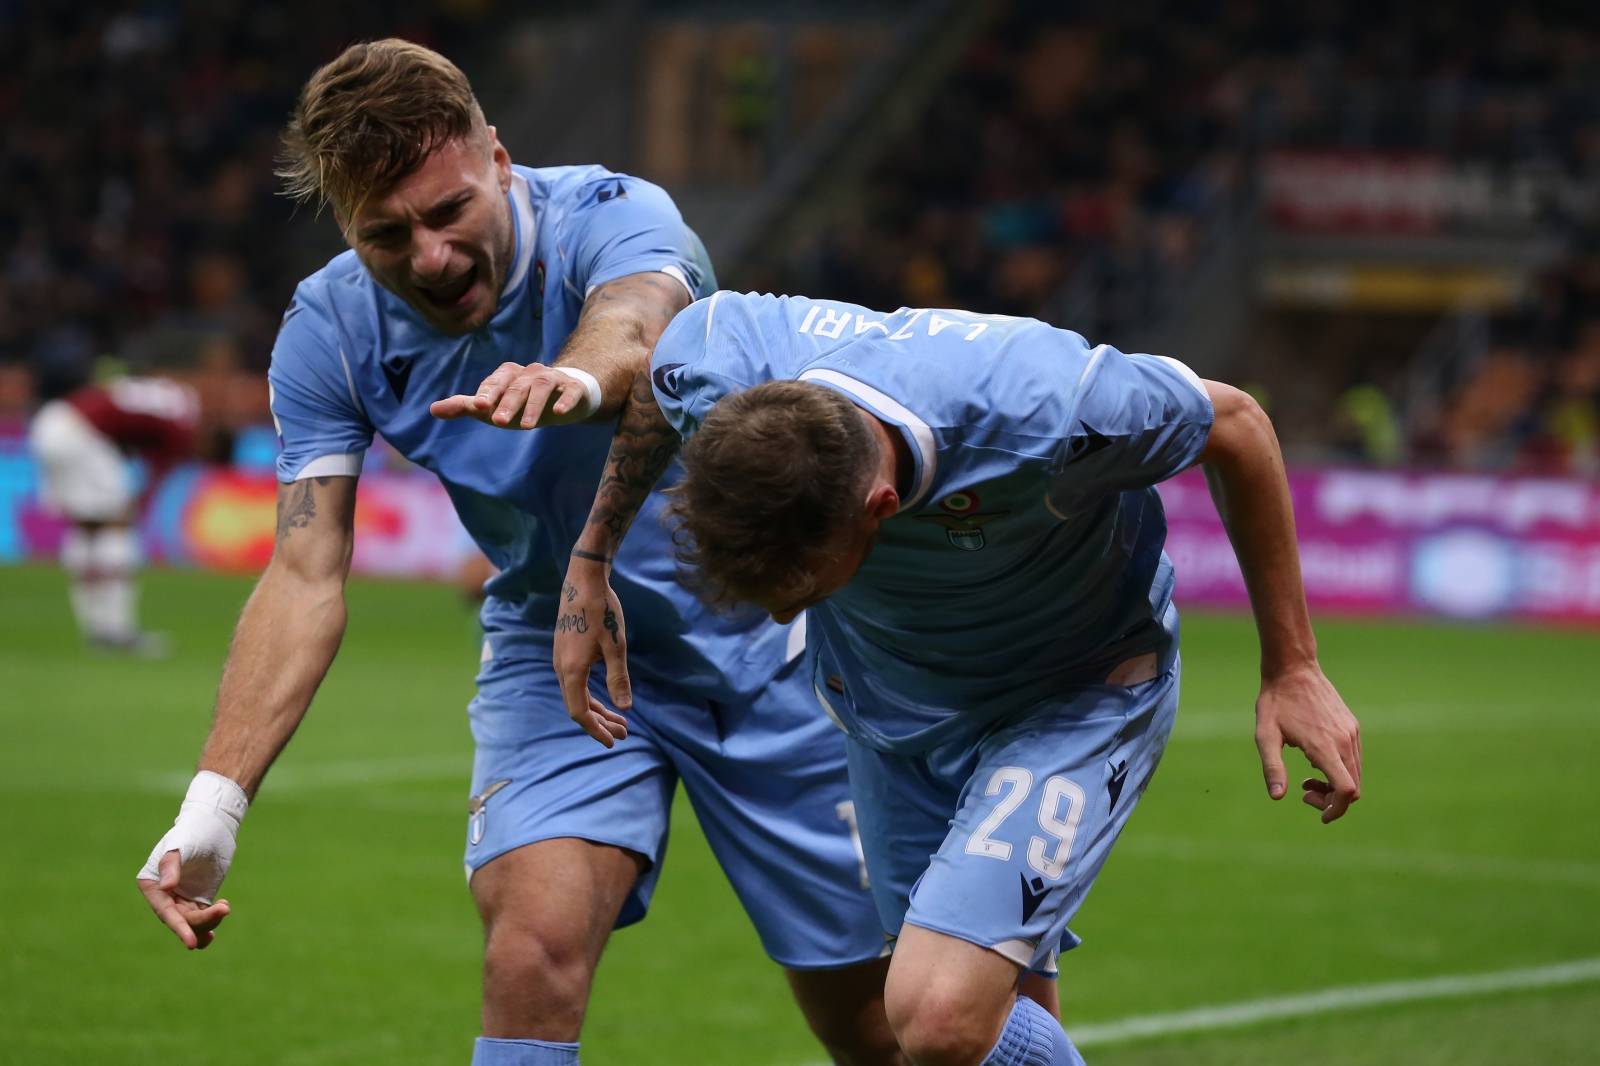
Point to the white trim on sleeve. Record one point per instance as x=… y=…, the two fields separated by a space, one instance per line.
x=1188 y=375
x=342 y=464
x=881 y=403
x=671 y=270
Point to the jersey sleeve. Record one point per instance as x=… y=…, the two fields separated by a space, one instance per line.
x=322 y=429
x=625 y=225
x=1139 y=420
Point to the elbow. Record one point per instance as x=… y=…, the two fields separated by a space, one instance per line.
x=1240 y=427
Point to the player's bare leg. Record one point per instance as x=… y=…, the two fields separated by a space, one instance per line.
x=845 y=1010
x=949 y=1000
x=547 y=911
x=1043 y=991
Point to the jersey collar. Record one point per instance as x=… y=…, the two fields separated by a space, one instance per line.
x=887 y=408
x=526 y=227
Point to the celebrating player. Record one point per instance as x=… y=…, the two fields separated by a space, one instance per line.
x=82 y=441
x=965 y=503
x=460 y=262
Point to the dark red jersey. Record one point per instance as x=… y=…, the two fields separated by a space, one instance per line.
x=152 y=418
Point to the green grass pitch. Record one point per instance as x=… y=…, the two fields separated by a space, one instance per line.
x=353 y=941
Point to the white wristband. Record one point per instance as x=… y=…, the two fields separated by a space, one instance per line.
x=203 y=835
x=591 y=393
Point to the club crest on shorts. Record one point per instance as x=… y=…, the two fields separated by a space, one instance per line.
x=477 y=811
x=963 y=526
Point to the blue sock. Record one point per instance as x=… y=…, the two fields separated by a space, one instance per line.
x=1032 y=1038
x=492 y=1051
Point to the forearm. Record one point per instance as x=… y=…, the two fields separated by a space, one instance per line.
x=617 y=331
x=641 y=451
x=286 y=639
x=1246 y=476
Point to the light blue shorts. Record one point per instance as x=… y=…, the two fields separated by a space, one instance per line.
x=997 y=842
x=766 y=778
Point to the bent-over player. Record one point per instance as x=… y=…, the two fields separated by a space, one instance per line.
x=965 y=505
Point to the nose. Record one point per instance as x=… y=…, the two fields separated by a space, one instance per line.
x=430 y=255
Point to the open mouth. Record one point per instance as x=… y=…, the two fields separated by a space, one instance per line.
x=447 y=297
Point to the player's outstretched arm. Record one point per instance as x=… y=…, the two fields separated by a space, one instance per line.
x=590 y=379
x=641 y=450
x=1298 y=705
x=286 y=638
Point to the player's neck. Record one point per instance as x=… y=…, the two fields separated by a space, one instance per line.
x=894 y=455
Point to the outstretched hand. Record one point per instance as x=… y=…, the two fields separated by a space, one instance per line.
x=590 y=628
x=518 y=397
x=1302 y=709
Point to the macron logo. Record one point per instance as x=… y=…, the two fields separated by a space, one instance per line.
x=1032 y=895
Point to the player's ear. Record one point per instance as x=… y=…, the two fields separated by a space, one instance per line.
x=500 y=157
x=882 y=501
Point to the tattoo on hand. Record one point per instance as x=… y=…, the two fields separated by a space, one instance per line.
x=573 y=623
x=610 y=622
x=569 y=592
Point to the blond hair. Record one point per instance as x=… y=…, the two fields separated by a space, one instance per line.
x=367 y=119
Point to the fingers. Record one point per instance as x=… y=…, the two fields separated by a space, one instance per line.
x=452 y=407
x=165 y=907
x=566 y=395
x=524 y=398
x=191 y=923
x=1335 y=795
x=1269 y=742
x=615 y=650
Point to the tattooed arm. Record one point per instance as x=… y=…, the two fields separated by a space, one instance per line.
x=288 y=632
x=642 y=448
x=611 y=342
x=286 y=638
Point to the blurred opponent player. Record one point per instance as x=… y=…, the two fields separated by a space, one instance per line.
x=460 y=262
x=966 y=505
x=83 y=442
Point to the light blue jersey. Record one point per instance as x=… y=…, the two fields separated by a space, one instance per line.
x=352 y=359
x=1026 y=558
x=721 y=705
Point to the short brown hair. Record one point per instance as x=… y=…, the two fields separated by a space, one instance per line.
x=771 y=481
x=368 y=118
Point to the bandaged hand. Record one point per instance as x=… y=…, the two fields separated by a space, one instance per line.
x=187 y=865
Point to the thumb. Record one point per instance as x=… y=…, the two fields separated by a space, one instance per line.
x=171 y=866
x=1269 y=742
x=617 y=682
x=451 y=407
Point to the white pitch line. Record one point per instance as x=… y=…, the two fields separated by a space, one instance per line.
x=1329 y=1001
x=305 y=777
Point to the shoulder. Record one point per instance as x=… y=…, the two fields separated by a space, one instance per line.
x=331 y=309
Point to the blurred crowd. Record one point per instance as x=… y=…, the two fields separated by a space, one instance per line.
x=138 y=210
x=1084 y=162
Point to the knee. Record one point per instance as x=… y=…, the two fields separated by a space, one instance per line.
x=535 y=982
x=938 y=1026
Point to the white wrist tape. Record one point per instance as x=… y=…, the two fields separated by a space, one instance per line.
x=591 y=393
x=203 y=835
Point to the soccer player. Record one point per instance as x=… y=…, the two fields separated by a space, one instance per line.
x=965 y=505
x=82 y=442
x=459 y=262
